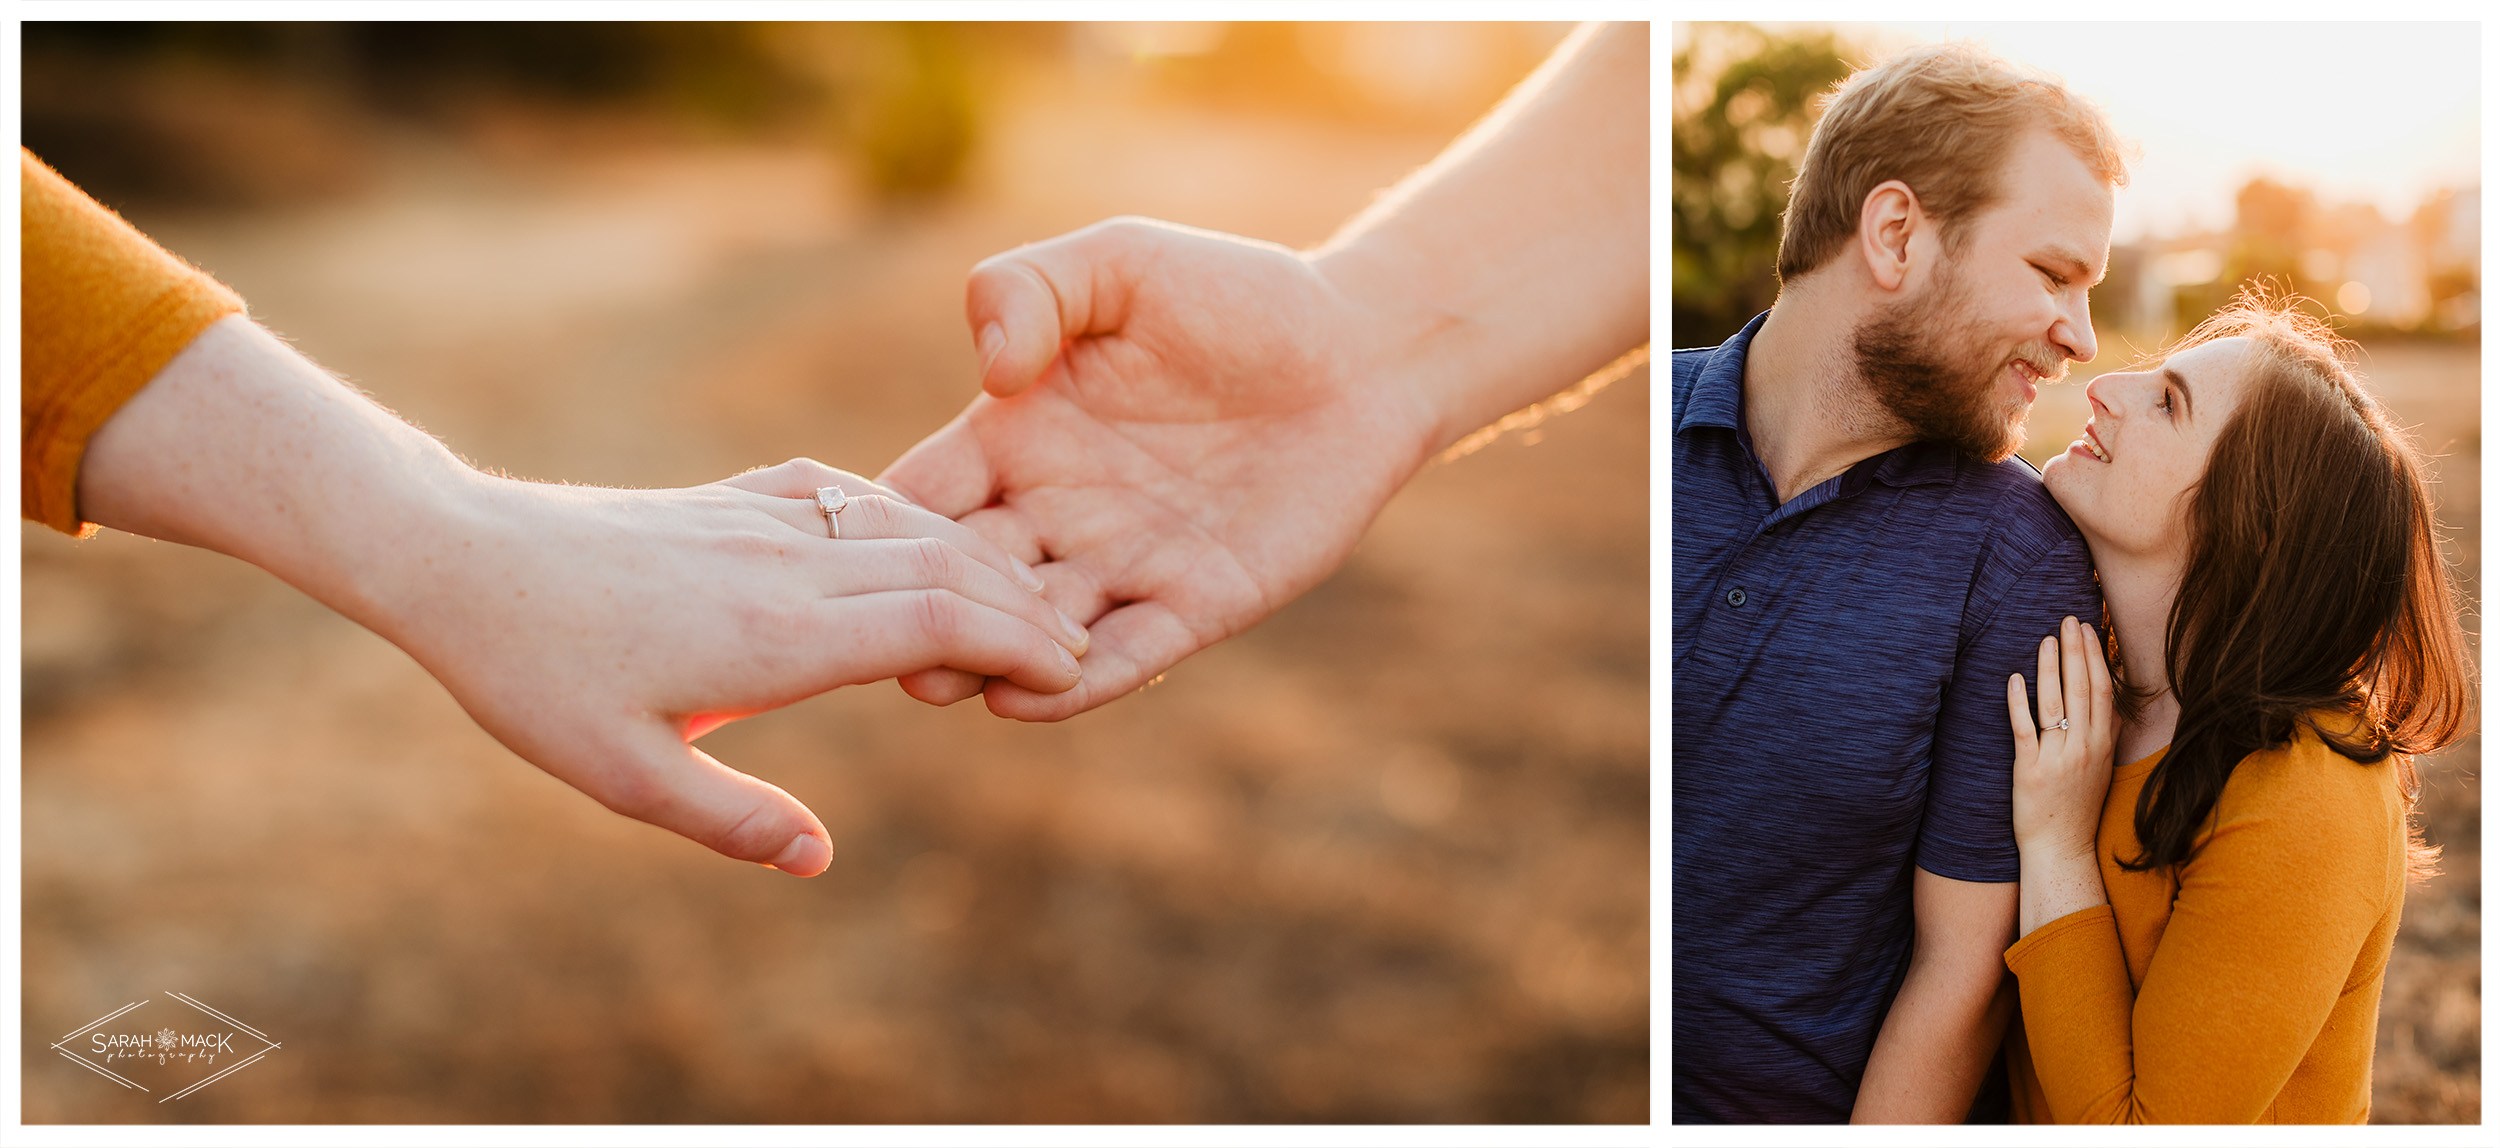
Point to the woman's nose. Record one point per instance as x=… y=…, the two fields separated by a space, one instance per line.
x=2092 y=393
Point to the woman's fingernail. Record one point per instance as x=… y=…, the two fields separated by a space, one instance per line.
x=993 y=340
x=1074 y=633
x=1068 y=663
x=1031 y=577
x=806 y=856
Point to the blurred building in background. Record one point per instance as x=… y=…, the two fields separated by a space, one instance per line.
x=2419 y=275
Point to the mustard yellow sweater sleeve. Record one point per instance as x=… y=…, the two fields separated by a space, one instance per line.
x=2279 y=929
x=104 y=309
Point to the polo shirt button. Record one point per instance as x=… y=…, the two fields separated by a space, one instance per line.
x=1736 y=597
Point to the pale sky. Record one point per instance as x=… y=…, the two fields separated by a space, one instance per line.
x=2379 y=112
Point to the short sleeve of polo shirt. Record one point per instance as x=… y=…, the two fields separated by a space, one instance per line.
x=2035 y=574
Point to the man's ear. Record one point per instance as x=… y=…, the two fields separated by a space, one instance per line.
x=1888 y=220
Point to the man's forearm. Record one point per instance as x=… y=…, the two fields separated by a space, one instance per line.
x=1517 y=263
x=1949 y=1017
x=1935 y=1046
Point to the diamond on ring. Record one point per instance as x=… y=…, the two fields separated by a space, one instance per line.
x=2061 y=724
x=831 y=500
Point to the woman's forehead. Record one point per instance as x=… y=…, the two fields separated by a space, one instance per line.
x=2212 y=360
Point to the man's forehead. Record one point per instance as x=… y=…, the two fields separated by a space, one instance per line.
x=2049 y=200
x=2078 y=237
x=2048 y=178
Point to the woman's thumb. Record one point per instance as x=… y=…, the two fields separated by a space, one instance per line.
x=667 y=783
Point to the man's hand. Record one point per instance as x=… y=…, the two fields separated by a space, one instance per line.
x=1191 y=429
x=1183 y=430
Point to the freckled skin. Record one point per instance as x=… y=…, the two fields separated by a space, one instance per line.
x=2136 y=503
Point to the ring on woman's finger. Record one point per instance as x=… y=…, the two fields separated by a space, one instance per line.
x=2060 y=723
x=831 y=500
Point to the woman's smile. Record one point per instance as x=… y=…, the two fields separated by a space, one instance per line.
x=2089 y=445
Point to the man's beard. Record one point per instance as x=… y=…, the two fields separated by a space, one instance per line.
x=1905 y=353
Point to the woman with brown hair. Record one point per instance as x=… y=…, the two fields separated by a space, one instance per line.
x=2204 y=929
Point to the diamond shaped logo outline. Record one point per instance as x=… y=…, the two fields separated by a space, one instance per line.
x=268 y=1046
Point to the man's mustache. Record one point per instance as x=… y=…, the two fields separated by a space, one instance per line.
x=2044 y=361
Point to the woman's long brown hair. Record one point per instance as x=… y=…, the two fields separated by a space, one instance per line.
x=2314 y=593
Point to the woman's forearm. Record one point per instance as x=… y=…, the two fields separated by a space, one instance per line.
x=2057 y=881
x=243 y=446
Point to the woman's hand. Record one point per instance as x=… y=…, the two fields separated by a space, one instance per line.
x=595 y=632
x=2061 y=775
x=2062 y=766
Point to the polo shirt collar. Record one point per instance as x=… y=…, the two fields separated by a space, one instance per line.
x=1718 y=395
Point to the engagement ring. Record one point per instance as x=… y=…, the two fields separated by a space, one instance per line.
x=2061 y=722
x=831 y=500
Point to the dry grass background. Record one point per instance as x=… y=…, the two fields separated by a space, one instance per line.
x=1383 y=858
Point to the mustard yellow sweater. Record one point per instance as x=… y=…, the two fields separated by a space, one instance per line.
x=104 y=310
x=2242 y=988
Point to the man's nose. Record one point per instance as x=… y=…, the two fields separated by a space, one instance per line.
x=2073 y=332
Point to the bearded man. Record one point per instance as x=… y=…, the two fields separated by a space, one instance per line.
x=1860 y=562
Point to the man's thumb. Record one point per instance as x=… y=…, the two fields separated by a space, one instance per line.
x=1024 y=305
x=1015 y=318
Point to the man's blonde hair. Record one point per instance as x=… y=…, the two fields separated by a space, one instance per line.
x=1941 y=118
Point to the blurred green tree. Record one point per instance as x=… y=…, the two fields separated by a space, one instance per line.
x=912 y=118
x=1745 y=101
x=116 y=105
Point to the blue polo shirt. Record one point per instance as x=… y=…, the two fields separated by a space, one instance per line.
x=1839 y=717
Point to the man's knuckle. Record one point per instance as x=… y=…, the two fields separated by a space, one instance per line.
x=1129 y=229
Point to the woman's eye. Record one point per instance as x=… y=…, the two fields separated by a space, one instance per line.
x=2055 y=280
x=2164 y=405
